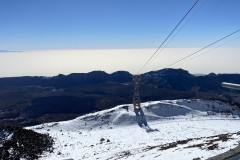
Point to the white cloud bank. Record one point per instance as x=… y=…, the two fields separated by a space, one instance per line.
x=53 y=62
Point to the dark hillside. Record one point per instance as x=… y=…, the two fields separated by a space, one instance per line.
x=34 y=100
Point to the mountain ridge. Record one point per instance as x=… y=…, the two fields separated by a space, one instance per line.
x=35 y=100
x=174 y=77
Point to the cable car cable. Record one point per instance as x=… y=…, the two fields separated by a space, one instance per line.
x=169 y=35
x=202 y=48
x=204 y=2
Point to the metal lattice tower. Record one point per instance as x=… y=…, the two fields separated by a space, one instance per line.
x=136 y=95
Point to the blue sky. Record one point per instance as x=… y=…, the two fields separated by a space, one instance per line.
x=66 y=36
x=99 y=24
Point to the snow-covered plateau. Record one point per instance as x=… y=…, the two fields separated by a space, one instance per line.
x=162 y=130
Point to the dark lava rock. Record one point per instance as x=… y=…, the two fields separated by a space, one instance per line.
x=23 y=144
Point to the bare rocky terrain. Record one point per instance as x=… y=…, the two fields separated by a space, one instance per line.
x=17 y=143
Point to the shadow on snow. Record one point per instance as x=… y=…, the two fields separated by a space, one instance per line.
x=142 y=122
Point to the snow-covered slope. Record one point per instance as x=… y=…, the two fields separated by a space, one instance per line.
x=170 y=129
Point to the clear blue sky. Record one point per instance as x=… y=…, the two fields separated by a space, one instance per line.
x=76 y=24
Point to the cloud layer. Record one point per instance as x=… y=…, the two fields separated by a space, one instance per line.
x=53 y=62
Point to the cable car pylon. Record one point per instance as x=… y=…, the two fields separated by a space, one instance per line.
x=136 y=96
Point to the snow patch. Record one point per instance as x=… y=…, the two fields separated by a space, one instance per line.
x=169 y=129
